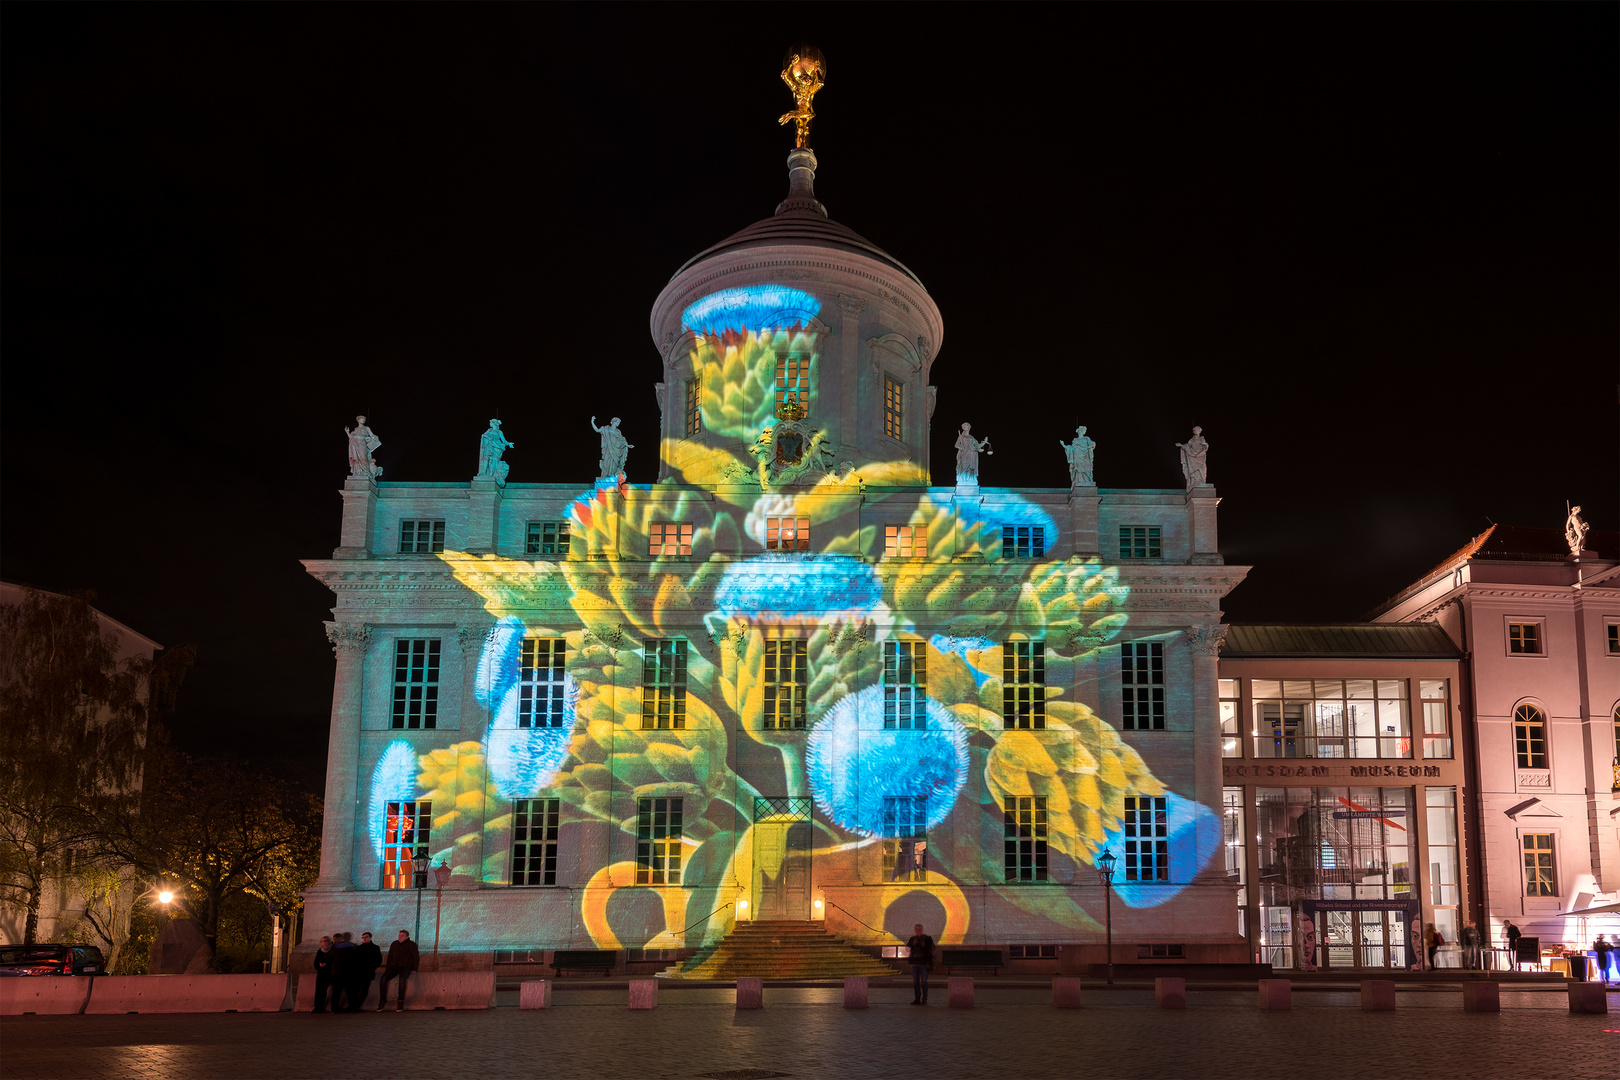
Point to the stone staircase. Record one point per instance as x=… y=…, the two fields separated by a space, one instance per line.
x=784 y=949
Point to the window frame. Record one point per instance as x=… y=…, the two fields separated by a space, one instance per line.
x=1025 y=835
x=1550 y=853
x=904 y=677
x=788 y=532
x=1029 y=546
x=1611 y=632
x=1153 y=842
x=408 y=706
x=1151 y=542
x=914 y=545
x=894 y=408
x=1231 y=718
x=772 y=683
x=792 y=380
x=665 y=535
x=435 y=539
x=905 y=829
x=1523 y=744
x=542 y=681
x=1130 y=686
x=524 y=812
x=404 y=844
x=1023 y=685
x=664 y=684
x=536 y=541
x=1515 y=622
x=1428 y=737
x=692 y=411
x=659 y=845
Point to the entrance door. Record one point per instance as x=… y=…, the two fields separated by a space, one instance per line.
x=782 y=837
x=1339 y=939
x=1374 y=951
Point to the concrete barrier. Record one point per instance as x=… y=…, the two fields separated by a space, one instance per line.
x=1276 y=995
x=750 y=992
x=1482 y=997
x=1170 y=993
x=855 y=991
x=1588 y=997
x=451 y=990
x=46 y=995
x=960 y=988
x=535 y=994
x=1377 y=995
x=304 y=997
x=1065 y=992
x=119 y=994
x=644 y=993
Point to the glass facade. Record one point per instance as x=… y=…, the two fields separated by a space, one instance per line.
x=1331 y=718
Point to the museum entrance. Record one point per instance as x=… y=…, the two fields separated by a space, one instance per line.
x=782 y=837
x=1360 y=934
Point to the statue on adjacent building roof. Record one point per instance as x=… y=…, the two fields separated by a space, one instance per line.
x=1079 y=454
x=361 y=444
x=490 y=449
x=804 y=70
x=967 y=454
x=1195 y=458
x=615 y=450
x=1575 y=531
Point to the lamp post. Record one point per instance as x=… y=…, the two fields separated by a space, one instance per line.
x=441 y=877
x=1105 y=871
x=419 y=876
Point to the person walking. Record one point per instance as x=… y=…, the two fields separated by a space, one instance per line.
x=1513 y=935
x=323 y=976
x=921 y=948
x=367 y=959
x=1435 y=945
x=403 y=958
x=343 y=972
x=1603 y=950
x=1470 y=944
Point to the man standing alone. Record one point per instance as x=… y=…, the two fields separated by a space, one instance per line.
x=367 y=959
x=1513 y=936
x=402 y=960
x=921 y=947
x=323 y=976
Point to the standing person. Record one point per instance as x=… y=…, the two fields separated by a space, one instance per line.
x=402 y=960
x=1603 y=949
x=323 y=975
x=1470 y=944
x=921 y=947
x=1513 y=935
x=342 y=972
x=1436 y=945
x=367 y=959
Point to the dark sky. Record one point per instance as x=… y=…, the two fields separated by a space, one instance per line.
x=1370 y=248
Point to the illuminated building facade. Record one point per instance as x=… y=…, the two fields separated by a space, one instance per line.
x=794 y=678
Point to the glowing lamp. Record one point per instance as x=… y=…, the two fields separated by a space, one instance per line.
x=441 y=875
x=165 y=897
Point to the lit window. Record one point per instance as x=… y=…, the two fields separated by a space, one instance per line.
x=905 y=541
x=416 y=683
x=787 y=664
x=1140 y=542
x=420 y=537
x=1524 y=638
x=540 y=686
x=1023 y=684
x=668 y=538
x=1142 y=673
x=694 y=407
x=905 y=685
x=546 y=538
x=1147 y=844
x=405 y=842
x=1530 y=737
x=1023 y=541
x=793 y=381
x=1024 y=829
x=893 y=414
x=1539 y=878
x=905 y=838
x=787 y=534
x=534 y=841
x=1230 y=736
x=663 y=684
x=1436 y=718
x=658 y=841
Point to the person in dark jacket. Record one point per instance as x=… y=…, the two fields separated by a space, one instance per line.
x=1513 y=936
x=342 y=972
x=921 y=948
x=402 y=960
x=367 y=959
x=323 y=975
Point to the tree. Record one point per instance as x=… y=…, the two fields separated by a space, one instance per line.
x=109 y=891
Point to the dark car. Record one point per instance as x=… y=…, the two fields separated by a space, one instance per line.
x=51 y=960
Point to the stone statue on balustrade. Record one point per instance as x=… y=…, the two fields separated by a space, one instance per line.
x=1575 y=531
x=967 y=455
x=490 y=449
x=1195 y=459
x=361 y=444
x=615 y=450
x=1080 y=453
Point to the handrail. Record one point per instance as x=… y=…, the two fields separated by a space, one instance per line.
x=705 y=919
x=862 y=921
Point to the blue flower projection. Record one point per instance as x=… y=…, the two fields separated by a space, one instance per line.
x=393 y=780
x=853 y=763
x=750 y=309
x=522 y=760
x=791 y=588
x=1020 y=511
x=961 y=646
x=498 y=663
x=1195 y=836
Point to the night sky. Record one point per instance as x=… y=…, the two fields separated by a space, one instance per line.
x=1370 y=248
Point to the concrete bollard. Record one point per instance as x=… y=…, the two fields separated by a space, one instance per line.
x=750 y=993
x=1170 y=993
x=1065 y=992
x=644 y=993
x=961 y=991
x=1482 y=997
x=855 y=990
x=1588 y=997
x=535 y=994
x=1276 y=995
x=1377 y=995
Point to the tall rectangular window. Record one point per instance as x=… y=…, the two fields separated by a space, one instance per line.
x=905 y=541
x=416 y=683
x=663 y=684
x=1023 y=541
x=893 y=412
x=1147 y=839
x=905 y=685
x=1539 y=876
x=787 y=534
x=793 y=381
x=546 y=538
x=1235 y=844
x=534 y=841
x=1614 y=638
x=1023 y=684
x=668 y=538
x=787 y=668
x=905 y=838
x=1530 y=737
x=1142 y=674
x=1436 y=718
x=658 y=841
x=1441 y=806
x=420 y=537
x=1024 y=828
x=540 y=686
x=1524 y=638
x=406 y=831
x=1231 y=745
x=1140 y=542
x=692 y=421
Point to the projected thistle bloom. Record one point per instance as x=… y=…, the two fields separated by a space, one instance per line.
x=523 y=760
x=785 y=589
x=392 y=780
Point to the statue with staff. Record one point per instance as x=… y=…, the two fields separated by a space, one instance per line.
x=1079 y=455
x=614 y=448
x=490 y=448
x=967 y=454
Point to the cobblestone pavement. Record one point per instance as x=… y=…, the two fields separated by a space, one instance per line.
x=805 y=1033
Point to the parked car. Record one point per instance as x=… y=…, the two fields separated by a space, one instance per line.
x=51 y=960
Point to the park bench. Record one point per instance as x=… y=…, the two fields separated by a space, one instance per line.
x=587 y=960
x=972 y=958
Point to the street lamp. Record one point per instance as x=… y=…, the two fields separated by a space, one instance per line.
x=441 y=878
x=1105 y=871
x=165 y=897
x=419 y=868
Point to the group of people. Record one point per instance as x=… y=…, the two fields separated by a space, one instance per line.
x=344 y=970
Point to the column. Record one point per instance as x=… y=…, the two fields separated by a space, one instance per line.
x=359 y=514
x=1204 y=646
x=467 y=845
x=349 y=641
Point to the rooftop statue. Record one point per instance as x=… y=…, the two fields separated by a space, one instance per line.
x=490 y=449
x=1195 y=458
x=1575 y=531
x=361 y=443
x=967 y=454
x=1079 y=454
x=614 y=449
x=804 y=70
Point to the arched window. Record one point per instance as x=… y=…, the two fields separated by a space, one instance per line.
x=1530 y=737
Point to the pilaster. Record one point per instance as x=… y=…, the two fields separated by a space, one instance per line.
x=467 y=840
x=966 y=513
x=1201 y=532
x=1084 y=508
x=359 y=515
x=1204 y=645
x=349 y=641
x=484 y=514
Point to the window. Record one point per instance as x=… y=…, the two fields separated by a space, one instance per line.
x=787 y=534
x=1436 y=719
x=546 y=538
x=1231 y=740
x=405 y=843
x=787 y=666
x=667 y=538
x=1539 y=879
x=416 y=683
x=1032 y=952
x=1331 y=718
x=540 y=686
x=905 y=685
x=693 y=417
x=1614 y=639
x=1159 y=952
x=420 y=537
x=1235 y=844
x=1142 y=672
x=1023 y=541
x=1441 y=805
x=905 y=843
x=893 y=414
x=793 y=381
x=1147 y=844
x=1023 y=684
x=905 y=541
x=663 y=684
x=534 y=841
x=1024 y=822
x=1530 y=737
x=1140 y=542
x=1524 y=638
x=658 y=841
